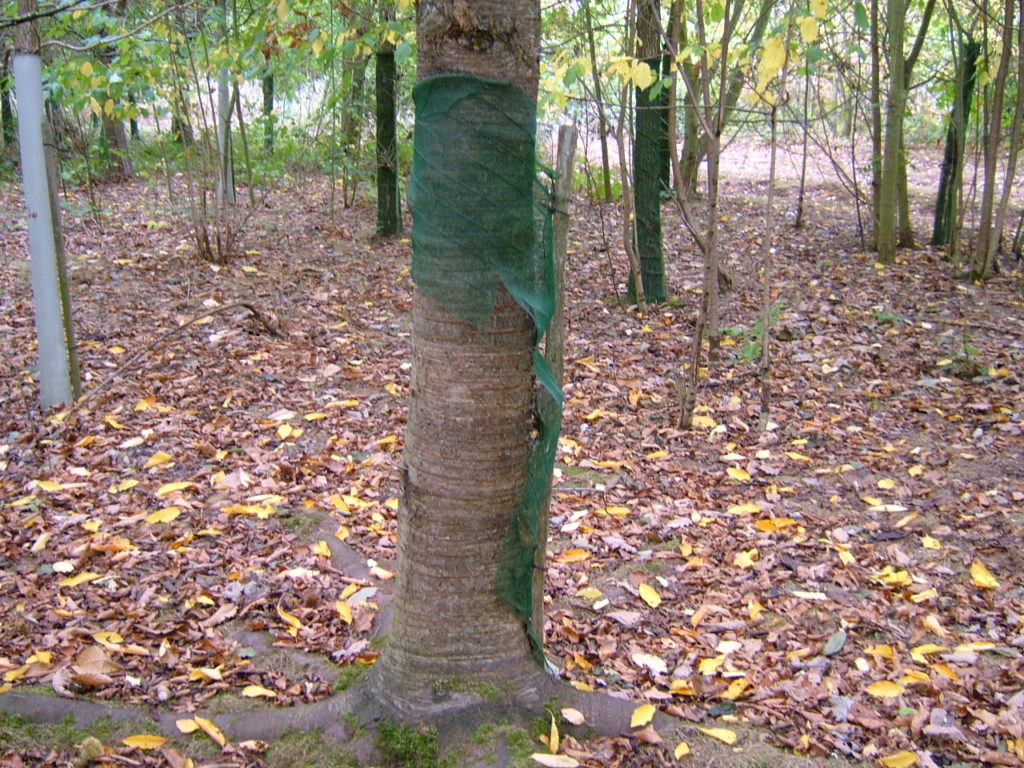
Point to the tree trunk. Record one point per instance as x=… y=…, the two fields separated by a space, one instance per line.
x=389 y=217
x=983 y=261
x=268 y=111
x=647 y=146
x=225 y=166
x=6 y=112
x=876 y=120
x=602 y=120
x=894 y=107
x=469 y=427
x=953 y=156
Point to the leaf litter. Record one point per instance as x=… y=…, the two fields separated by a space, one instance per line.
x=848 y=578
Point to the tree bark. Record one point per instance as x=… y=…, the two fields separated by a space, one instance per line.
x=894 y=108
x=647 y=148
x=468 y=434
x=602 y=120
x=953 y=155
x=389 y=218
x=268 y=111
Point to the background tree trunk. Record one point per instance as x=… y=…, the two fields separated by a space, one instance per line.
x=389 y=217
x=647 y=158
x=469 y=430
x=953 y=156
x=894 y=107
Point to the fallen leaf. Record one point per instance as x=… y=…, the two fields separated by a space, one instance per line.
x=682 y=750
x=650 y=595
x=885 y=689
x=642 y=715
x=144 y=741
x=573 y=716
x=554 y=761
x=982 y=577
x=737 y=473
x=722 y=734
x=902 y=759
x=82 y=578
x=255 y=691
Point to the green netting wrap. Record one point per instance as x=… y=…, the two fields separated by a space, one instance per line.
x=480 y=217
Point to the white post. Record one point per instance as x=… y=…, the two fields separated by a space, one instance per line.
x=54 y=366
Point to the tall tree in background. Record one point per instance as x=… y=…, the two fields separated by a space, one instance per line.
x=472 y=391
x=895 y=106
x=651 y=135
x=389 y=219
x=948 y=196
x=993 y=215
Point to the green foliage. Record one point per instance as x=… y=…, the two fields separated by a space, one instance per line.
x=962 y=360
x=749 y=339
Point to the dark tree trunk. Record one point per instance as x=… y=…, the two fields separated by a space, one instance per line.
x=389 y=216
x=268 y=111
x=6 y=112
x=953 y=156
x=649 y=139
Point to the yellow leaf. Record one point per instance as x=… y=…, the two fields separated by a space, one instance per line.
x=157 y=459
x=108 y=107
x=873 y=501
x=211 y=730
x=916 y=471
x=808 y=29
x=946 y=671
x=746 y=558
x=206 y=674
x=682 y=750
x=774 y=524
x=736 y=689
x=554 y=761
x=321 y=549
x=722 y=734
x=165 y=515
x=82 y=578
x=650 y=595
x=704 y=422
x=931 y=622
x=710 y=666
x=737 y=473
x=174 y=487
x=315 y=416
x=682 y=688
x=318 y=45
x=902 y=759
x=929 y=543
x=885 y=689
x=797 y=456
x=86 y=68
x=49 y=486
x=978 y=645
x=344 y=611
x=125 y=485
x=144 y=741
x=284 y=431
x=282 y=9
x=40 y=543
x=818 y=8
x=886 y=483
x=294 y=625
x=342 y=533
x=574 y=556
x=655 y=455
x=553 y=738
x=187 y=725
x=982 y=576
x=914 y=676
x=642 y=76
x=744 y=509
x=109 y=639
x=13 y=674
x=642 y=715
x=928 y=594
x=254 y=691
x=919 y=653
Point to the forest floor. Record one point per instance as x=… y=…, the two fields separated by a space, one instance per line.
x=849 y=580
